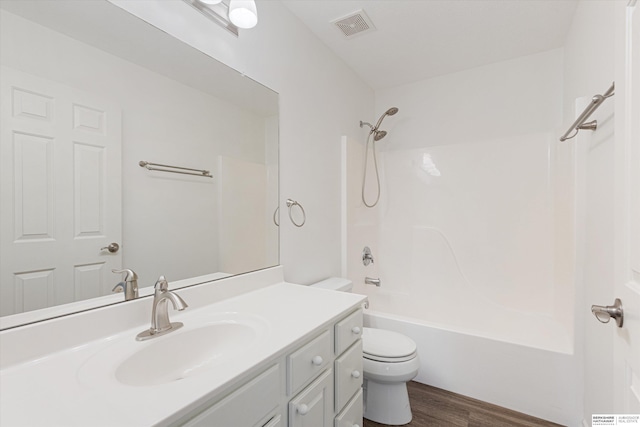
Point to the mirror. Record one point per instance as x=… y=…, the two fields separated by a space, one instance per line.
x=88 y=92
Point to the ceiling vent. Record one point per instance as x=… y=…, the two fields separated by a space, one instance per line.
x=355 y=23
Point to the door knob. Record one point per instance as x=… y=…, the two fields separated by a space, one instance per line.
x=113 y=248
x=605 y=313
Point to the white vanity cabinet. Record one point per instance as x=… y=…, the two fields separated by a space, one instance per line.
x=334 y=396
x=314 y=384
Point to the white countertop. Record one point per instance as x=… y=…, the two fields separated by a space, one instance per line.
x=77 y=387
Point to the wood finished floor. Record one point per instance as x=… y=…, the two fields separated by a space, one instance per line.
x=433 y=407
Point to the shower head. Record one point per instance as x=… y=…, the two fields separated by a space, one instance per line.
x=390 y=112
x=379 y=134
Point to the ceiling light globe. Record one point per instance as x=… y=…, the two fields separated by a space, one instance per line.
x=243 y=13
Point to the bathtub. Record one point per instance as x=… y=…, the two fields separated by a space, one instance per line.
x=525 y=378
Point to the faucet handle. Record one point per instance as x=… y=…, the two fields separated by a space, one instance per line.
x=120 y=287
x=161 y=285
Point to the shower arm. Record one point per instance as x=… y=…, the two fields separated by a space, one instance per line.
x=368 y=124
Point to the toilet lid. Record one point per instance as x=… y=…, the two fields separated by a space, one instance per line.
x=383 y=345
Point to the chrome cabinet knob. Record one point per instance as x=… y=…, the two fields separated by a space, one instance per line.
x=113 y=248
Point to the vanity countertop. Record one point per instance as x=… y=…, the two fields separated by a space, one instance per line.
x=78 y=385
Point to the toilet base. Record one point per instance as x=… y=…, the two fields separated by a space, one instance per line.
x=387 y=403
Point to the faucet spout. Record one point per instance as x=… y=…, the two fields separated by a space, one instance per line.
x=160 y=316
x=160 y=323
x=372 y=281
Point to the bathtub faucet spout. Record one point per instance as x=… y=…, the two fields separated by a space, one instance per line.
x=372 y=281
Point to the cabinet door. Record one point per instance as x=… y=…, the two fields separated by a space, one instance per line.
x=351 y=415
x=247 y=406
x=313 y=407
x=348 y=380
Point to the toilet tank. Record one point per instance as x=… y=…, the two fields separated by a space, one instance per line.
x=335 y=284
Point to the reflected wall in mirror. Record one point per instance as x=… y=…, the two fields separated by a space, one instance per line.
x=89 y=91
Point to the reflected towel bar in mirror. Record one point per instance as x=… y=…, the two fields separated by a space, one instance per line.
x=174 y=169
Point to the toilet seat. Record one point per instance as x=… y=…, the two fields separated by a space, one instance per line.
x=387 y=346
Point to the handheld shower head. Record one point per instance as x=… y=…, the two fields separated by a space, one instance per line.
x=377 y=136
x=390 y=112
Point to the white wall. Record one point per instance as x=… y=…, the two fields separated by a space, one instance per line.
x=589 y=70
x=321 y=99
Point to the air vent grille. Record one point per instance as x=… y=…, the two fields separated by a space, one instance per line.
x=355 y=23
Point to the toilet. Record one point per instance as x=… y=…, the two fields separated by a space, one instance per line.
x=390 y=360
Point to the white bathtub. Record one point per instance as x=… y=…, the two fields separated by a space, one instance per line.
x=535 y=381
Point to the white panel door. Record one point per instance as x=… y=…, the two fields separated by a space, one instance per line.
x=627 y=210
x=60 y=178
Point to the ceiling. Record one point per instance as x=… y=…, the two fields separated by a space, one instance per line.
x=419 y=39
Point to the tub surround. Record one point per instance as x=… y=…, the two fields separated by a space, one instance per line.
x=66 y=367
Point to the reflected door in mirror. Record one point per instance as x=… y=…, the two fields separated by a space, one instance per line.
x=60 y=160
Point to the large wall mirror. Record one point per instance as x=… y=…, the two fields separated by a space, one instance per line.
x=88 y=92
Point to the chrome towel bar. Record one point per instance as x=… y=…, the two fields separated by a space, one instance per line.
x=581 y=121
x=174 y=169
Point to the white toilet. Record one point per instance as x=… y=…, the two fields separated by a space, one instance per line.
x=390 y=361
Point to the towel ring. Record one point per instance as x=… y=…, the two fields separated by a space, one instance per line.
x=290 y=205
x=275 y=213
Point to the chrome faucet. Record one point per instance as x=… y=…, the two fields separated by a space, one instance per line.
x=129 y=285
x=160 y=323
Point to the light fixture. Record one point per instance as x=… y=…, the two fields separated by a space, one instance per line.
x=243 y=13
x=229 y=14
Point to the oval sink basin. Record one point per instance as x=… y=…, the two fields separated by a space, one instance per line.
x=175 y=357
x=206 y=341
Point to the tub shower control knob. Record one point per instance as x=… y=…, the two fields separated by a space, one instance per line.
x=317 y=360
x=367 y=257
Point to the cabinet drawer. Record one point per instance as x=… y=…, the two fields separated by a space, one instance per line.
x=351 y=415
x=245 y=406
x=313 y=406
x=348 y=372
x=347 y=331
x=307 y=362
